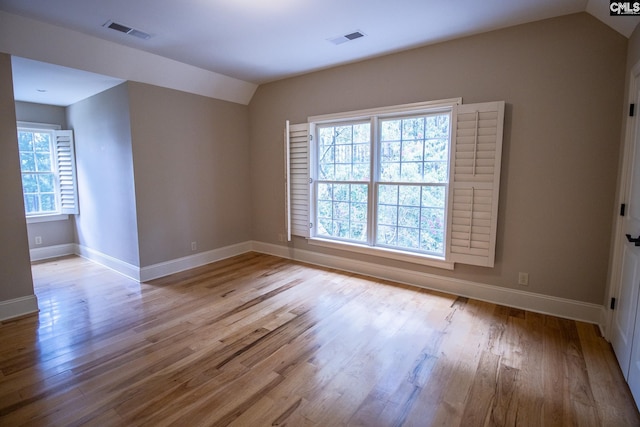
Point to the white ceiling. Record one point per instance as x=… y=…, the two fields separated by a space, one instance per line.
x=44 y=83
x=265 y=40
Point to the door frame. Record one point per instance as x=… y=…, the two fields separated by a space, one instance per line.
x=624 y=181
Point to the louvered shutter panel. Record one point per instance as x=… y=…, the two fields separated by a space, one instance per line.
x=474 y=183
x=66 y=171
x=297 y=180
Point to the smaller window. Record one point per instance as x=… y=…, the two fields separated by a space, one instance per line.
x=47 y=167
x=37 y=164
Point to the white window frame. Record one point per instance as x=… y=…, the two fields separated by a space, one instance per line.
x=472 y=188
x=70 y=205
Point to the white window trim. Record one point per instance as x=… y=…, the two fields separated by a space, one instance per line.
x=34 y=125
x=417 y=107
x=34 y=219
x=429 y=107
x=415 y=258
x=46 y=217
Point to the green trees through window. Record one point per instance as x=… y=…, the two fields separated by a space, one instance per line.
x=38 y=171
x=398 y=200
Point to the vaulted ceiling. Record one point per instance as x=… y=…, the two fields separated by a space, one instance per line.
x=259 y=41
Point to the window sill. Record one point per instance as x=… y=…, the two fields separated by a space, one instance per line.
x=430 y=261
x=47 y=218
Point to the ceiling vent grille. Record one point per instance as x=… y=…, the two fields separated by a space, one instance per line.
x=347 y=37
x=127 y=30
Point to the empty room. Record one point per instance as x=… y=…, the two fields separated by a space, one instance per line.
x=325 y=213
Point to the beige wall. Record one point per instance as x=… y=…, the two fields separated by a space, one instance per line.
x=191 y=167
x=562 y=80
x=15 y=270
x=41 y=113
x=106 y=193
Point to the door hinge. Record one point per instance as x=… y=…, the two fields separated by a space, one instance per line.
x=613 y=304
x=632 y=110
x=623 y=208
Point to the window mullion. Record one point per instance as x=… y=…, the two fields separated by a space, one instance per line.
x=373 y=183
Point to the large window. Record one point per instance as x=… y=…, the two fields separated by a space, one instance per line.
x=408 y=184
x=414 y=182
x=47 y=168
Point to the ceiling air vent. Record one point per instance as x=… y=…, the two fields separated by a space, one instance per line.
x=127 y=30
x=346 y=37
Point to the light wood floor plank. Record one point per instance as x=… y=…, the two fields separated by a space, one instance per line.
x=257 y=340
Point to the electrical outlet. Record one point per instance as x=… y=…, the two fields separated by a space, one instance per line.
x=523 y=279
x=194 y=246
x=280 y=237
x=38 y=240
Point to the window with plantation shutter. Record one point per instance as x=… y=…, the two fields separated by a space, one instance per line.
x=47 y=163
x=297 y=179
x=416 y=182
x=474 y=183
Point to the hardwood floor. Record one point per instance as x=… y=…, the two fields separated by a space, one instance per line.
x=257 y=340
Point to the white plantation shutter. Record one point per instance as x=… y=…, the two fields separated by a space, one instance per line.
x=297 y=179
x=66 y=171
x=474 y=182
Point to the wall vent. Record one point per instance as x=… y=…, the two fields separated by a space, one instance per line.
x=347 y=37
x=127 y=30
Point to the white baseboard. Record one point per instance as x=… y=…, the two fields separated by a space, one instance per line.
x=561 y=307
x=47 y=252
x=124 y=268
x=27 y=305
x=192 y=261
x=604 y=321
x=18 y=307
x=164 y=268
